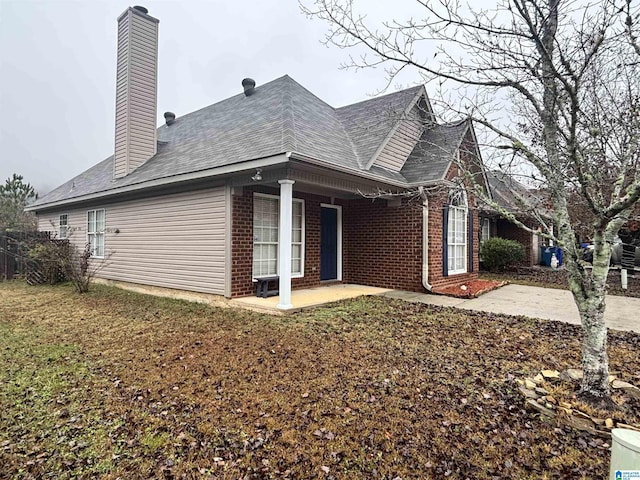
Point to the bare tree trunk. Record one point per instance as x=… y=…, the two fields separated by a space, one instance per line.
x=588 y=289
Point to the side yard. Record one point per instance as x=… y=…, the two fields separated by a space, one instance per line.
x=115 y=384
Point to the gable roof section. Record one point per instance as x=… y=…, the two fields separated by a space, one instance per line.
x=435 y=151
x=371 y=123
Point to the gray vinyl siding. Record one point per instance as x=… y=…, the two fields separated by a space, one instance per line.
x=174 y=241
x=402 y=142
x=136 y=82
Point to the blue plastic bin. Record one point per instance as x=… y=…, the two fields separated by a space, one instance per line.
x=547 y=252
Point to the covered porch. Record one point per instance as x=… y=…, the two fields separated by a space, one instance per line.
x=308 y=228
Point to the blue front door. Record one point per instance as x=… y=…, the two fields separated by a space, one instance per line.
x=328 y=244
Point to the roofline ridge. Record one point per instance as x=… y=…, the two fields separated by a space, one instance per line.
x=456 y=123
x=287 y=109
x=307 y=90
x=380 y=97
x=227 y=99
x=334 y=112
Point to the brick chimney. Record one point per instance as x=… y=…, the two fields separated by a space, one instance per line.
x=136 y=90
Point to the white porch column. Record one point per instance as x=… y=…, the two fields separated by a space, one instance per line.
x=284 y=252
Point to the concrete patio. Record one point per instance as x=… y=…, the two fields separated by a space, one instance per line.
x=512 y=299
x=308 y=297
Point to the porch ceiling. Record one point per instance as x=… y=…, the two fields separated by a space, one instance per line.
x=317 y=180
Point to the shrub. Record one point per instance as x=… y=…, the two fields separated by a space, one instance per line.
x=498 y=253
x=60 y=260
x=46 y=261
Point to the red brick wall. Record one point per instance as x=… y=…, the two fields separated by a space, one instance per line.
x=382 y=244
x=436 y=277
x=242 y=241
x=436 y=206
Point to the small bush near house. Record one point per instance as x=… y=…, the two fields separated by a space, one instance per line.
x=46 y=264
x=498 y=253
x=60 y=260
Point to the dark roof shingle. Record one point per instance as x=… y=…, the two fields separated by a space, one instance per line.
x=281 y=116
x=434 y=152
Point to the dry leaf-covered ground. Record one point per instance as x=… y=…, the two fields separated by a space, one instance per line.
x=115 y=384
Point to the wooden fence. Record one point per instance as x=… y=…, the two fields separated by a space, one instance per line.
x=14 y=258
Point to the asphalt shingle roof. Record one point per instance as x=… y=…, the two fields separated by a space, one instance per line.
x=434 y=152
x=281 y=116
x=513 y=196
x=368 y=122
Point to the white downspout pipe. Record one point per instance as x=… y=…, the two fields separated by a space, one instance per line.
x=425 y=245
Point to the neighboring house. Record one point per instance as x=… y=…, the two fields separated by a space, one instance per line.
x=514 y=197
x=272 y=181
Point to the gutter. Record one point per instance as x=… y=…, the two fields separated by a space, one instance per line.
x=425 y=246
x=172 y=180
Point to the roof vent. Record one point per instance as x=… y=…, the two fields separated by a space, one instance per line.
x=249 y=85
x=141 y=9
x=169 y=117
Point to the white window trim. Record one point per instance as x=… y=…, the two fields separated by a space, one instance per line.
x=303 y=233
x=339 y=220
x=104 y=242
x=465 y=215
x=66 y=232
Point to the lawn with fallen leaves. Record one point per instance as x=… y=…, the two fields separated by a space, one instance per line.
x=113 y=384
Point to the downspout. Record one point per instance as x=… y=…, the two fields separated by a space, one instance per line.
x=425 y=245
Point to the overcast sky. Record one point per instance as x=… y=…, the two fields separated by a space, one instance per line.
x=58 y=59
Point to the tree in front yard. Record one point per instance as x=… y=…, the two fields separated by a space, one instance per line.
x=555 y=87
x=14 y=196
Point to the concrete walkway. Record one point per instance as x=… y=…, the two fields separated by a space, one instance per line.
x=622 y=313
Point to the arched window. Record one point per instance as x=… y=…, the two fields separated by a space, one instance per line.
x=457 y=232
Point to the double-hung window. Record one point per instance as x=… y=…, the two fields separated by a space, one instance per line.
x=95 y=232
x=266 y=236
x=63 y=226
x=457 y=233
x=486 y=230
